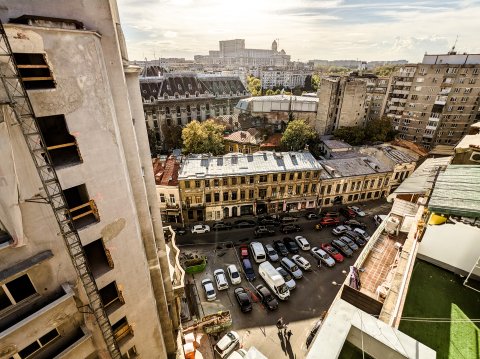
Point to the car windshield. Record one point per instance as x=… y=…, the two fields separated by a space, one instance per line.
x=231 y=336
x=282 y=289
x=210 y=292
x=235 y=275
x=294 y=268
x=325 y=256
x=271 y=252
x=287 y=277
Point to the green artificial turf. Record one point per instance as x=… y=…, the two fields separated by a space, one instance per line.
x=437 y=293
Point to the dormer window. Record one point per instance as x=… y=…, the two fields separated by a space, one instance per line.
x=179 y=87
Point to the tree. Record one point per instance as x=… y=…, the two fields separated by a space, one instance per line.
x=154 y=142
x=315 y=82
x=297 y=134
x=385 y=70
x=254 y=86
x=270 y=92
x=379 y=130
x=354 y=136
x=205 y=137
x=172 y=135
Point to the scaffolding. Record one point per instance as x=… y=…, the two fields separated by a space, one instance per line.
x=19 y=102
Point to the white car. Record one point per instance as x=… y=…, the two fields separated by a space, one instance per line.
x=234 y=274
x=201 y=228
x=362 y=233
x=238 y=354
x=207 y=285
x=379 y=218
x=302 y=262
x=341 y=229
x=220 y=279
x=302 y=243
x=358 y=211
x=227 y=344
x=320 y=254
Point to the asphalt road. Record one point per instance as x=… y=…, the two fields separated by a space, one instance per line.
x=313 y=295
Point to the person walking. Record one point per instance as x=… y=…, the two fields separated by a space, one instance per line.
x=280 y=323
x=289 y=334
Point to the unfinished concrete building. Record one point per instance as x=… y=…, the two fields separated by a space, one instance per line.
x=84 y=266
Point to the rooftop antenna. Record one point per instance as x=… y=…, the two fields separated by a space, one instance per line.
x=452 y=51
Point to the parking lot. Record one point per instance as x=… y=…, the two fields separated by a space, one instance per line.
x=313 y=294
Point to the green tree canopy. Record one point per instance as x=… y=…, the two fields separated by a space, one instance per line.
x=297 y=134
x=375 y=131
x=205 y=137
x=154 y=142
x=254 y=86
x=172 y=135
x=385 y=70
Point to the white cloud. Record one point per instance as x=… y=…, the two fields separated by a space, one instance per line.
x=170 y=34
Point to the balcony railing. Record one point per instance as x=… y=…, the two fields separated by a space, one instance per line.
x=441 y=100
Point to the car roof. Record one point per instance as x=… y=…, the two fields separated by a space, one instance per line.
x=232 y=266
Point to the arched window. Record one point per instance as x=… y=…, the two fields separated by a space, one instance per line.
x=197 y=94
x=178 y=109
x=176 y=95
x=167 y=110
x=187 y=95
x=188 y=108
x=152 y=99
x=165 y=96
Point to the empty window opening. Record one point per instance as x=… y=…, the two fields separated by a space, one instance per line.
x=15 y=291
x=122 y=330
x=112 y=297
x=82 y=209
x=34 y=71
x=38 y=344
x=131 y=353
x=61 y=145
x=98 y=258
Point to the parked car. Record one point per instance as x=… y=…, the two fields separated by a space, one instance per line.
x=221 y=226
x=220 y=279
x=280 y=247
x=356 y=238
x=243 y=299
x=180 y=231
x=302 y=262
x=362 y=234
x=347 y=213
x=291 y=245
x=379 y=218
x=330 y=214
x=201 y=228
x=288 y=219
x=266 y=297
x=353 y=223
x=290 y=228
x=338 y=230
x=244 y=251
x=227 y=344
x=302 y=243
x=234 y=274
x=321 y=255
x=289 y=281
x=207 y=285
x=332 y=252
x=238 y=354
x=311 y=216
x=248 y=269
x=245 y=223
x=291 y=268
x=271 y=253
x=348 y=241
x=268 y=222
x=357 y=211
x=342 y=248
x=263 y=231
x=329 y=221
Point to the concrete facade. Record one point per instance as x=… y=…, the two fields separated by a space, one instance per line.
x=273 y=78
x=97 y=94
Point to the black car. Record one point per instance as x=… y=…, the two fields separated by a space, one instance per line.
x=267 y=221
x=355 y=224
x=291 y=245
x=266 y=297
x=290 y=228
x=248 y=269
x=263 y=231
x=280 y=247
x=356 y=238
x=311 y=216
x=245 y=223
x=221 y=226
x=180 y=231
x=342 y=248
x=349 y=242
x=243 y=299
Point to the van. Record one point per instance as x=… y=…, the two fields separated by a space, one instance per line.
x=227 y=344
x=258 y=252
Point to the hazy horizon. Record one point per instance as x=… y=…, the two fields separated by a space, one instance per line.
x=306 y=29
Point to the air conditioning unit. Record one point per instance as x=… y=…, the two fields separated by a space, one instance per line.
x=475 y=157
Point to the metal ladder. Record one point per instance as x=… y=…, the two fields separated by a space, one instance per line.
x=21 y=106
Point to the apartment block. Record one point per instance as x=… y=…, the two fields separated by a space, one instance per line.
x=214 y=188
x=342 y=103
x=435 y=102
x=165 y=170
x=376 y=96
x=83 y=265
x=274 y=78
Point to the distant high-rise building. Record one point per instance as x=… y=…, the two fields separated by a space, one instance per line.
x=84 y=264
x=435 y=102
x=234 y=53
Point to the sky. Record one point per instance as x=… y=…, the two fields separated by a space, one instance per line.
x=306 y=29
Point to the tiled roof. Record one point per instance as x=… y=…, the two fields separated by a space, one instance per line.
x=242 y=137
x=238 y=164
x=166 y=172
x=273 y=141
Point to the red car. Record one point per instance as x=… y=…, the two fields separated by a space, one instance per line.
x=329 y=221
x=348 y=213
x=332 y=252
x=244 y=251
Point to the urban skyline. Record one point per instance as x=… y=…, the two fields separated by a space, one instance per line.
x=331 y=30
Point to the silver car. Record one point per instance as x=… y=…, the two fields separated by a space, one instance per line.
x=291 y=268
x=323 y=256
x=207 y=285
x=289 y=281
x=271 y=253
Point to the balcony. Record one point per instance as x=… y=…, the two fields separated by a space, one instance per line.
x=406 y=74
x=399 y=99
x=401 y=92
x=21 y=322
x=403 y=83
x=441 y=100
x=431 y=127
x=80 y=344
